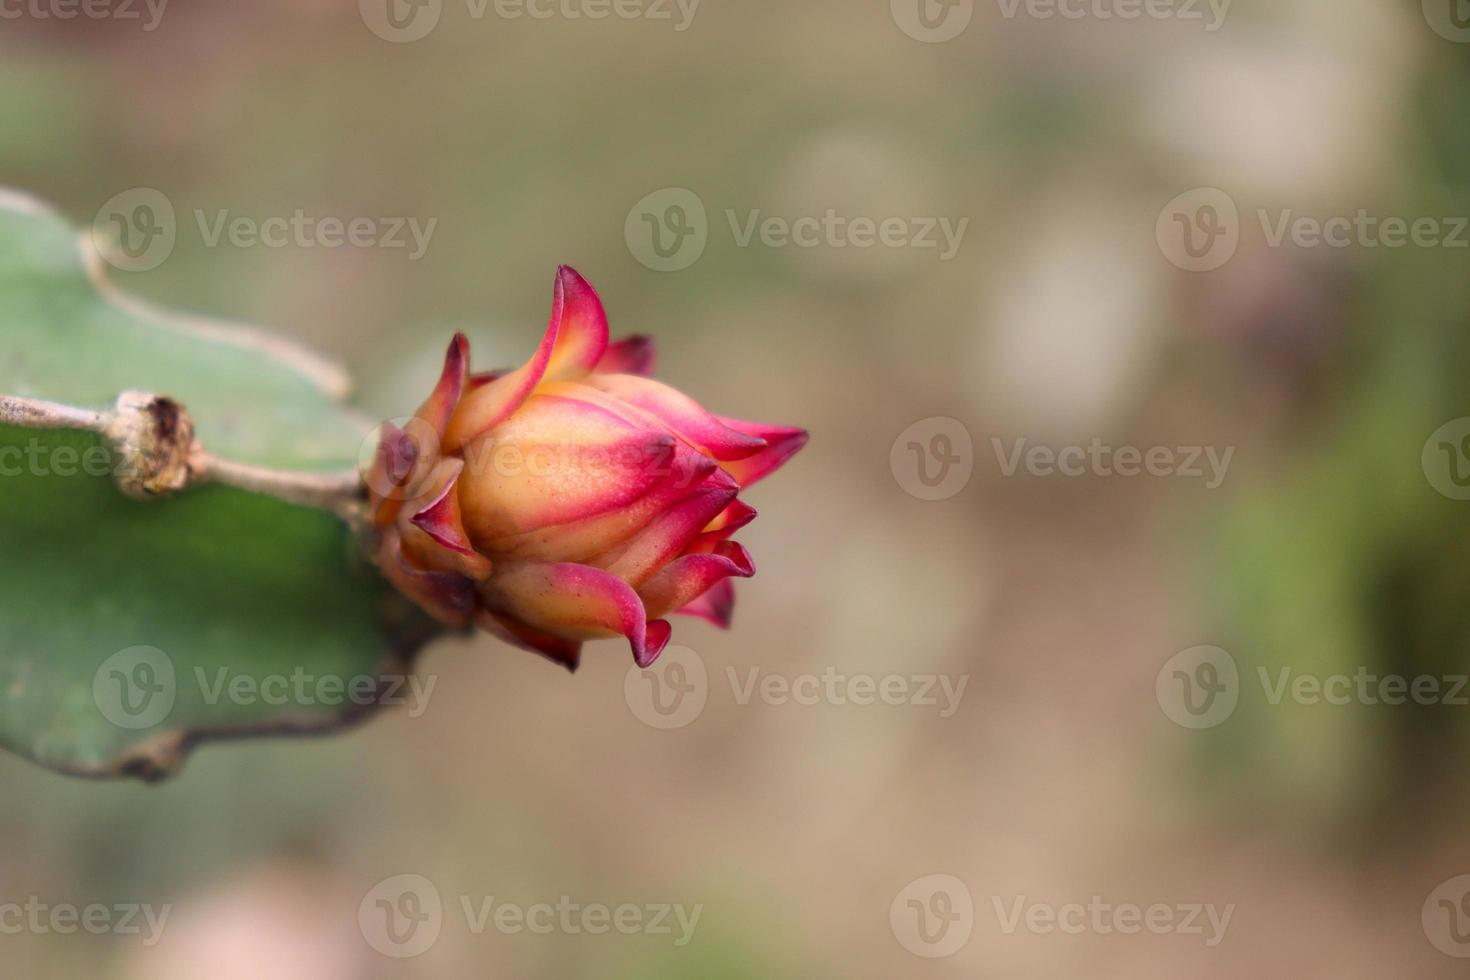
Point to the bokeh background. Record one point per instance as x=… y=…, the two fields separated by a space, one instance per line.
x=1063 y=317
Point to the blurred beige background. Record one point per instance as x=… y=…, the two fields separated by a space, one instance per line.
x=1064 y=314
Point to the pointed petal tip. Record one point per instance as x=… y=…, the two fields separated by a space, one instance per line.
x=655 y=638
x=782 y=443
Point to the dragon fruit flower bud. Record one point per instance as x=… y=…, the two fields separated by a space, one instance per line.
x=571 y=498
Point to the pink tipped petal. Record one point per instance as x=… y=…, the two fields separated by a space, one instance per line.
x=567 y=653
x=447 y=596
x=393 y=464
x=556 y=461
x=433 y=530
x=717 y=606
x=782 y=442
x=680 y=413
x=437 y=513
x=574 y=342
x=493 y=402
x=689 y=577
x=631 y=355
x=731 y=519
x=657 y=637
x=580 y=326
x=661 y=542
x=439 y=409
x=571 y=601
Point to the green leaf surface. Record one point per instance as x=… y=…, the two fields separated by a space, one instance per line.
x=131 y=630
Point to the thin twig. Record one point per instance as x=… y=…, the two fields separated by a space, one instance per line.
x=31 y=413
x=169 y=455
x=336 y=492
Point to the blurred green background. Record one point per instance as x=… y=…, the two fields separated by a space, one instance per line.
x=1060 y=319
